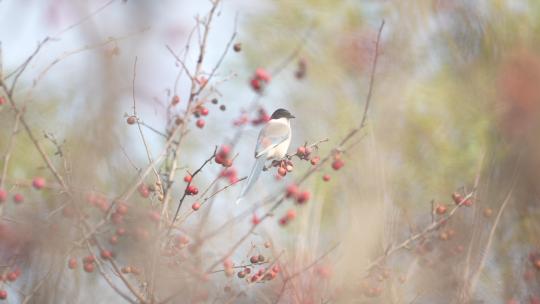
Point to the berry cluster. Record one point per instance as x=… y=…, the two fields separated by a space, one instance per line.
x=231 y=174
x=260 y=80
x=261 y=118
x=200 y=110
x=223 y=156
x=190 y=189
x=459 y=200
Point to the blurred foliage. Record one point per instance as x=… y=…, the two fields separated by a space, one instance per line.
x=457 y=82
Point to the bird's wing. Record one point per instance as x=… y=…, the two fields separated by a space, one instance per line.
x=271 y=136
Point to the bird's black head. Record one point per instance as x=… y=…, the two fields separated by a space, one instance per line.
x=281 y=113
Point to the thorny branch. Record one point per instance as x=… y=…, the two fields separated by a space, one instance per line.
x=184 y=195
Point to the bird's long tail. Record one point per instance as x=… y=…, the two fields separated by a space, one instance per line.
x=253 y=176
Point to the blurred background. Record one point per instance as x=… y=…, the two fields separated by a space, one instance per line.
x=455 y=107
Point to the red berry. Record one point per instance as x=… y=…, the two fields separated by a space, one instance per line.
x=188 y=178
x=303 y=197
x=314 y=161
x=3 y=195
x=291 y=214
x=2 y=100
x=72 y=263
x=237 y=47
x=283 y=221
x=106 y=254
x=204 y=111
x=225 y=150
x=537 y=263
x=326 y=177
x=103 y=205
x=270 y=275
x=337 y=164
x=131 y=120
x=282 y=171
x=196 y=206
x=292 y=190
x=3 y=293
x=175 y=100
x=262 y=74
x=38 y=183
x=121 y=208
x=254 y=259
x=256 y=84
x=89 y=267
x=301 y=151
x=255 y=220
x=220 y=159
x=441 y=209
x=457 y=198
x=144 y=191
x=202 y=81
x=200 y=123
x=192 y=190
x=18 y=198
x=182 y=240
x=12 y=276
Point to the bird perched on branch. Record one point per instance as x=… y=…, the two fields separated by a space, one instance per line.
x=272 y=144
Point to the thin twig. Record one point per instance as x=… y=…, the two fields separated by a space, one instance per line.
x=7 y=155
x=86 y=48
x=86 y=18
x=178 y=59
x=297 y=273
x=474 y=278
x=23 y=67
x=148 y=153
x=405 y=244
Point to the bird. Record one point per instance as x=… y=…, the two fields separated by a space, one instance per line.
x=272 y=143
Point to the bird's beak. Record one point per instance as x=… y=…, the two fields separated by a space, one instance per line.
x=292 y=116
